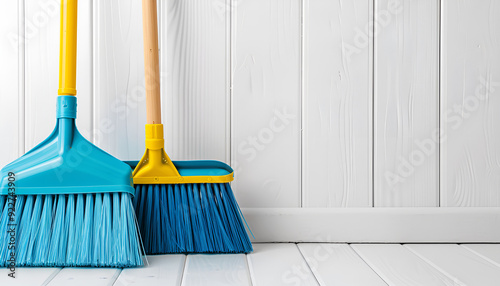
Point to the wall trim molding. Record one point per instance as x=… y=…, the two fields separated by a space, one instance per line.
x=375 y=225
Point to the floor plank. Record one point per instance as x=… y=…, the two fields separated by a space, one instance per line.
x=398 y=266
x=338 y=264
x=279 y=264
x=490 y=252
x=28 y=276
x=459 y=263
x=85 y=276
x=164 y=270
x=230 y=269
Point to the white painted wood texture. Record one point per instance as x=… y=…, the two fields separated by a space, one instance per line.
x=162 y=270
x=490 y=252
x=41 y=69
x=291 y=264
x=11 y=82
x=282 y=90
x=266 y=102
x=42 y=30
x=28 y=276
x=365 y=225
x=85 y=276
x=406 y=77
x=279 y=264
x=399 y=266
x=119 y=86
x=338 y=265
x=337 y=120
x=470 y=88
x=194 y=38
x=464 y=266
x=228 y=269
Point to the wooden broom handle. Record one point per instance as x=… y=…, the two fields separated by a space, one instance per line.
x=151 y=61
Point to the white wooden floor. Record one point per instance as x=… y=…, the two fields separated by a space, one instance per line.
x=296 y=264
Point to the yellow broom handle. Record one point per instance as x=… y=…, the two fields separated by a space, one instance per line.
x=67 y=52
x=151 y=61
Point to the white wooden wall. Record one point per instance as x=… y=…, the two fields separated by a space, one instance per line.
x=315 y=103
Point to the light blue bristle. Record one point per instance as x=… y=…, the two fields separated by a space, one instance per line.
x=116 y=228
x=8 y=243
x=44 y=233
x=57 y=249
x=85 y=253
x=72 y=244
x=4 y=218
x=191 y=218
x=24 y=235
x=20 y=203
x=98 y=240
x=107 y=247
x=72 y=230
x=33 y=226
x=133 y=257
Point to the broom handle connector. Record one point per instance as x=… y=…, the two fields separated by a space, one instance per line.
x=151 y=61
x=67 y=51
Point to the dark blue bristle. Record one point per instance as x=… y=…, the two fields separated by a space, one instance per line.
x=72 y=230
x=190 y=218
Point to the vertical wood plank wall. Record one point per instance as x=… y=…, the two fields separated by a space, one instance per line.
x=337 y=112
x=11 y=82
x=266 y=102
x=470 y=105
x=406 y=97
x=194 y=38
x=314 y=103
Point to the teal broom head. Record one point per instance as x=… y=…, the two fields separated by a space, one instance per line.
x=68 y=203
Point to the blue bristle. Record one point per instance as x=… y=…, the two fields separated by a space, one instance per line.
x=149 y=216
x=190 y=218
x=171 y=244
x=198 y=224
x=70 y=230
x=204 y=241
x=165 y=223
x=155 y=232
x=185 y=219
x=232 y=245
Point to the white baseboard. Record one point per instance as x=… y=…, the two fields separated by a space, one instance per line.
x=377 y=225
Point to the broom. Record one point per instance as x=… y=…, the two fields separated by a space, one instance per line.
x=67 y=202
x=182 y=207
